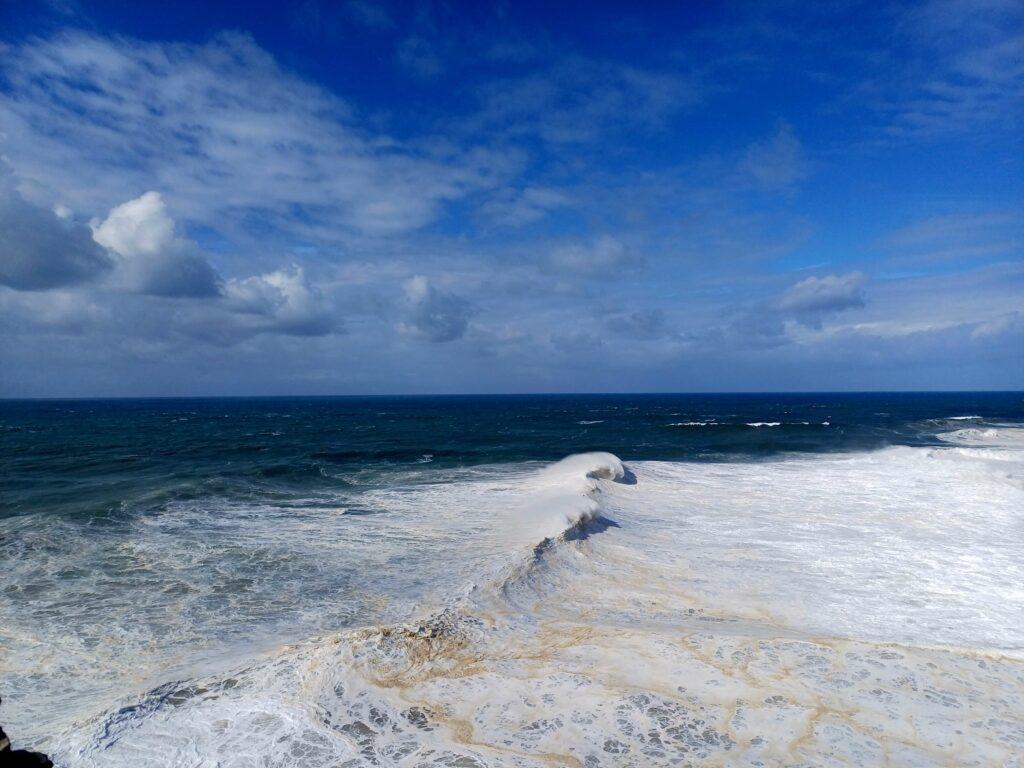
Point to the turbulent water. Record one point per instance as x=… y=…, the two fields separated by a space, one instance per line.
x=802 y=580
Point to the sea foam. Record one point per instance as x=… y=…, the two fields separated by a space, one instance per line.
x=822 y=610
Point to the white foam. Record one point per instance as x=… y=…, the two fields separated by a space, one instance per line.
x=763 y=423
x=989 y=437
x=563 y=495
x=815 y=610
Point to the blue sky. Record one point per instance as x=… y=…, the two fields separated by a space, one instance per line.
x=318 y=197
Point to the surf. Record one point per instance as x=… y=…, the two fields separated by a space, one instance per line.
x=618 y=627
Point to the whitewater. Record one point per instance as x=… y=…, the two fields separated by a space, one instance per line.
x=858 y=608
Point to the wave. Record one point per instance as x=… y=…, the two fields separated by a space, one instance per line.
x=349 y=675
x=998 y=436
x=563 y=496
x=655 y=614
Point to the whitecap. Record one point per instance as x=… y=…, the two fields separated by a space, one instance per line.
x=735 y=613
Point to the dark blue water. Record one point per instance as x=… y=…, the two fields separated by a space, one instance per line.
x=91 y=457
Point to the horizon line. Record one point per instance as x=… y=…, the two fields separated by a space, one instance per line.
x=424 y=395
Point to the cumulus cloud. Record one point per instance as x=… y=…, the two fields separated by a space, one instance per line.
x=806 y=303
x=817 y=296
x=280 y=302
x=42 y=249
x=140 y=227
x=154 y=260
x=433 y=314
x=603 y=257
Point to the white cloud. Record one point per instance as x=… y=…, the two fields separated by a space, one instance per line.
x=153 y=259
x=817 y=295
x=221 y=130
x=801 y=308
x=280 y=302
x=140 y=227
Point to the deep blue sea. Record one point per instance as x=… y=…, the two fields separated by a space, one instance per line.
x=98 y=458
x=182 y=578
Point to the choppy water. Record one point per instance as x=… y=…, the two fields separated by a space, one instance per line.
x=707 y=580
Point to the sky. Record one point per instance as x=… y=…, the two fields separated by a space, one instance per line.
x=322 y=197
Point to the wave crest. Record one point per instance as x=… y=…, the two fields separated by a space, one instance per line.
x=999 y=436
x=565 y=493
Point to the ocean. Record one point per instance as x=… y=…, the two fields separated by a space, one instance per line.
x=560 y=580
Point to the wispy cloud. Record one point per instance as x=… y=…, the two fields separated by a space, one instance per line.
x=578 y=100
x=959 y=66
x=775 y=163
x=375 y=15
x=957 y=238
x=220 y=129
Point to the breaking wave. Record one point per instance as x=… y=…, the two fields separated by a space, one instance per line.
x=662 y=614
